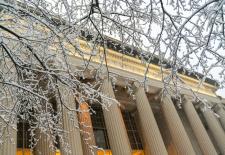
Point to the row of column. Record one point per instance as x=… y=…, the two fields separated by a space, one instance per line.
x=215 y=128
x=200 y=133
x=220 y=110
x=153 y=142
x=82 y=141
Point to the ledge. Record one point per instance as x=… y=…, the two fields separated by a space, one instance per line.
x=135 y=66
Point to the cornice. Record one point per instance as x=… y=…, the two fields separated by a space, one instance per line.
x=135 y=66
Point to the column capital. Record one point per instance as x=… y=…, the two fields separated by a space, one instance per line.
x=136 y=85
x=187 y=97
x=111 y=79
x=205 y=107
x=103 y=76
x=217 y=107
x=167 y=97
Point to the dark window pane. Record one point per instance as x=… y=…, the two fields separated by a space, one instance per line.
x=132 y=132
x=100 y=138
x=23 y=135
x=99 y=128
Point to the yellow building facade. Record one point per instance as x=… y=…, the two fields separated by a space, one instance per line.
x=150 y=124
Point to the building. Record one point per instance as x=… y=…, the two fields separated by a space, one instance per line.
x=148 y=124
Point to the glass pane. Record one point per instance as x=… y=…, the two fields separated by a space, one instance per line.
x=100 y=138
x=132 y=132
x=99 y=127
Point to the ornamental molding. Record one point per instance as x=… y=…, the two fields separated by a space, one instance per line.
x=136 y=66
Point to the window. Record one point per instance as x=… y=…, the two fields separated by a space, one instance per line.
x=23 y=135
x=100 y=132
x=132 y=131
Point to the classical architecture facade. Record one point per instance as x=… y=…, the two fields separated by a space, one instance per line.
x=145 y=123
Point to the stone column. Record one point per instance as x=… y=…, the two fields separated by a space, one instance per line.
x=71 y=144
x=9 y=139
x=8 y=132
x=88 y=139
x=215 y=128
x=200 y=133
x=221 y=112
x=116 y=129
x=44 y=145
x=150 y=131
x=176 y=128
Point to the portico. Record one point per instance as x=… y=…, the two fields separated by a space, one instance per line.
x=145 y=121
